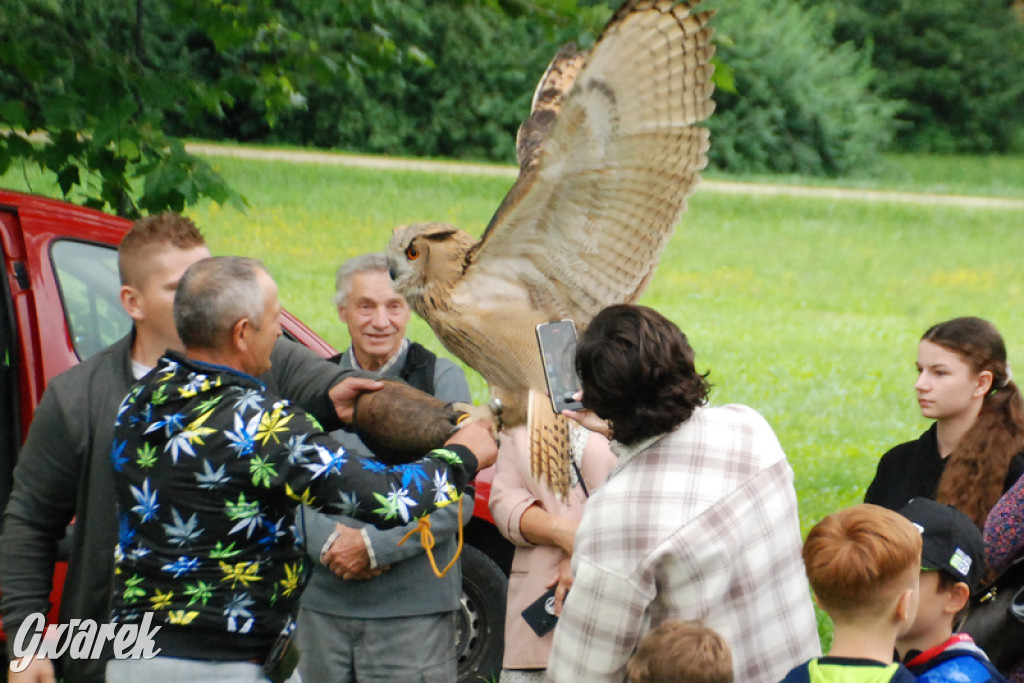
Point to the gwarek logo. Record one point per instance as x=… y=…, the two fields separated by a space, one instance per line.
x=81 y=639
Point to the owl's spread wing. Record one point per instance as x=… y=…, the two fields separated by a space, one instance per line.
x=607 y=158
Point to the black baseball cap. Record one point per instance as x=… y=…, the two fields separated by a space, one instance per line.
x=950 y=541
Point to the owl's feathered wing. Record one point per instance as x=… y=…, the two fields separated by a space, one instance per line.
x=607 y=158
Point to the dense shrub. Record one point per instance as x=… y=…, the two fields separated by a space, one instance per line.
x=461 y=92
x=455 y=78
x=802 y=104
x=957 y=65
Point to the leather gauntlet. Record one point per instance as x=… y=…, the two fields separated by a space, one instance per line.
x=400 y=423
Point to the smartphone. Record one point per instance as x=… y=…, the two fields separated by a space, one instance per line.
x=540 y=615
x=557 y=341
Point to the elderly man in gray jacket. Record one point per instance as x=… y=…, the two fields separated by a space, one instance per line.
x=374 y=610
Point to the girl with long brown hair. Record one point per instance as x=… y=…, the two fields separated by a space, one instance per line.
x=974 y=451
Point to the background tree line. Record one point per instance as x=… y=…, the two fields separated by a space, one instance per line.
x=805 y=86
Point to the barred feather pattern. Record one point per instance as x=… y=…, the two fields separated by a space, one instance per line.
x=549 y=445
x=608 y=156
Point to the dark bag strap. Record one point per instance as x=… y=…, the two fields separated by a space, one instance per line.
x=995 y=619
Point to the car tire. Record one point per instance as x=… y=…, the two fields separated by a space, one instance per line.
x=480 y=623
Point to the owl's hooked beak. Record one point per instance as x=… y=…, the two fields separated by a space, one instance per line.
x=392 y=260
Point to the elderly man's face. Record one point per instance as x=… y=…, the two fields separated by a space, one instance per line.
x=376 y=316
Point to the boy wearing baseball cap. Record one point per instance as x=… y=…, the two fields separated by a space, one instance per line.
x=952 y=562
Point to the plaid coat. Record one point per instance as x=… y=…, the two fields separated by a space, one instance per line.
x=700 y=523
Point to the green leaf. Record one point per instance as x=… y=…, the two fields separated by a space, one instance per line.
x=724 y=77
x=19 y=146
x=67 y=178
x=14 y=113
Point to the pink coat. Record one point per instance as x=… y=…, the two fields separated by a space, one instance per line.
x=533 y=567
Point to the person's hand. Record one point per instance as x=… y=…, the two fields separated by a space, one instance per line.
x=563 y=582
x=477 y=436
x=344 y=394
x=588 y=418
x=348 y=556
x=38 y=671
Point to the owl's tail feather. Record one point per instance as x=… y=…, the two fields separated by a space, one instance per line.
x=549 y=444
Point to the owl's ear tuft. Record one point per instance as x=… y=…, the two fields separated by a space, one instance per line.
x=438 y=236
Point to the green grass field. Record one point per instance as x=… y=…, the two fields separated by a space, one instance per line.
x=992 y=176
x=809 y=310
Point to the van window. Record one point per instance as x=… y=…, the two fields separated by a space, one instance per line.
x=89 y=289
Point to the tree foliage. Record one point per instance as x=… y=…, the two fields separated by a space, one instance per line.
x=802 y=103
x=457 y=81
x=87 y=87
x=956 y=67
x=99 y=92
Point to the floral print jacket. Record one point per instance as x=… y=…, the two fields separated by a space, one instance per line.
x=209 y=469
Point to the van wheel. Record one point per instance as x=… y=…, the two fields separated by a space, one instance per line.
x=480 y=627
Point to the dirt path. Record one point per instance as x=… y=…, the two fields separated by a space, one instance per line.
x=719 y=186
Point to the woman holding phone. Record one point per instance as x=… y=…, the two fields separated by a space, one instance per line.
x=543 y=528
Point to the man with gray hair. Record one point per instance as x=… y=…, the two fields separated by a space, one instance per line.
x=374 y=610
x=209 y=467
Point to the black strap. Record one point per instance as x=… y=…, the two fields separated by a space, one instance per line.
x=579 y=475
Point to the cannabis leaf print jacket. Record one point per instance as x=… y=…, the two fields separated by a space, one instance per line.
x=208 y=471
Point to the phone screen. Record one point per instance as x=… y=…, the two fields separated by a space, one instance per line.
x=557 y=342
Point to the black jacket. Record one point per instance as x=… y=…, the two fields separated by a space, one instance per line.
x=914 y=468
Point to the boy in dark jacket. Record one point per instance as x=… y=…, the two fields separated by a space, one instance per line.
x=952 y=561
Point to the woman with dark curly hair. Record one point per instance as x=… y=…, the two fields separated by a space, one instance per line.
x=698 y=520
x=640 y=373
x=974 y=452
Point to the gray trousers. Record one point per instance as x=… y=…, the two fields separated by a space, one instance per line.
x=346 y=650
x=174 y=670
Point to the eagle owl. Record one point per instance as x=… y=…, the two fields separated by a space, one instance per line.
x=607 y=158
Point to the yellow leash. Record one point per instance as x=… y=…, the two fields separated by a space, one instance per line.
x=427 y=541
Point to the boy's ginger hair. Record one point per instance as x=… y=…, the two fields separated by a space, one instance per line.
x=857 y=558
x=685 y=651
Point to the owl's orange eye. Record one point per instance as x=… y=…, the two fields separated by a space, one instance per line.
x=412 y=253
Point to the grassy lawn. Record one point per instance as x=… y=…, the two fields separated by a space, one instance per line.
x=991 y=176
x=809 y=310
